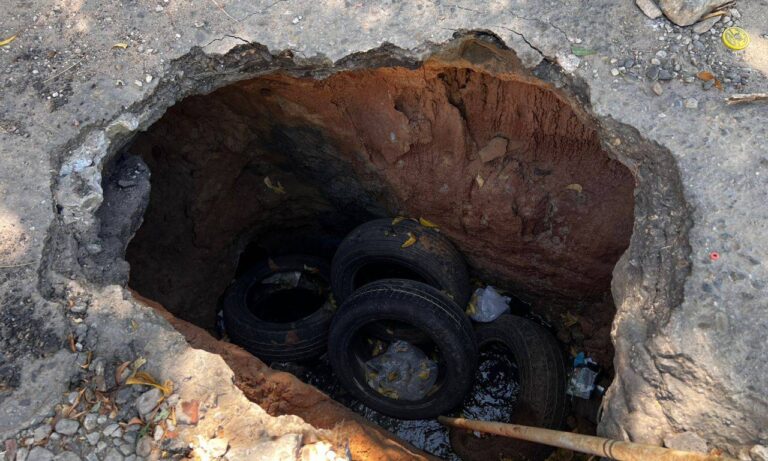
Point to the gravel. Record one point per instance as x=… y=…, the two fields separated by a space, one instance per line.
x=147 y=401
x=67 y=426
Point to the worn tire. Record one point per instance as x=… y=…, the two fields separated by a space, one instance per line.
x=302 y=339
x=432 y=259
x=541 y=401
x=418 y=305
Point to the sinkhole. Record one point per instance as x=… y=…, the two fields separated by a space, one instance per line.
x=511 y=170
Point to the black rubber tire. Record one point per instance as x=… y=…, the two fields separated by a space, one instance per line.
x=541 y=401
x=433 y=258
x=421 y=306
x=302 y=339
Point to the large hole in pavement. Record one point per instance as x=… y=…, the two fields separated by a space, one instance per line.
x=510 y=170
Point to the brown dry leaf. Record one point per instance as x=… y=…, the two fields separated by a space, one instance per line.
x=479 y=180
x=427 y=223
x=277 y=188
x=135 y=421
x=138 y=363
x=7 y=40
x=398 y=220
x=707 y=76
x=119 y=371
x=574 y=186
x=120 y=45
x=145 y=379
x=411 y=240
x=71 y=339
x=87 y=363
x=712 y=15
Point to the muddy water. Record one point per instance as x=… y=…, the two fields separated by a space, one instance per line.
x=492 y=398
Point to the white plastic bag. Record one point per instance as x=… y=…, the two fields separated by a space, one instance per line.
x=487 y=305
x=402 y=372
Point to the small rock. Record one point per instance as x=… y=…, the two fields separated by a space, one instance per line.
x=736 y=15
x=39 y=454
x=691 y=103
x=655 y=61
x=759 y=453
x=126 y=449
x=158 y=8
x=653 y=72
x=686 y=441
x=101 y=419
x=67 y=426
x=657 y=88
x=148 y=78
x=661 y=54
x=89 y=422
x=113 y=455
x=158 y=434
x=101 y=446
x=686 y=12
x=649 y=8
x=664 y=74
x=216 y=447
x=629 y=63
x=144 y=447
x=109 y=430
x=615 y=72
x=93 y=437
x=708 y=84
x=705 y=25
x=496 y=147
x=147 y=401
x=130 y=437
x=42 y=432
x=22 y=454
x=66 y=456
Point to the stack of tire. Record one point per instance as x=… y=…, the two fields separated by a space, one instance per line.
x=399 y=280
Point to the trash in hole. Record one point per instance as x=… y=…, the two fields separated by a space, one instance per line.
x=582 y=382
x=487 y=305
x=402 y=372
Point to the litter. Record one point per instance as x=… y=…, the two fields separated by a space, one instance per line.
x=403 y=372
x=487 y=305
x=582 y=382
x=285 y=279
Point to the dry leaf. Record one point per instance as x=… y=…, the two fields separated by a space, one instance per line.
x=119 y=371
x=138 y=363
x=145 y=379
x=569 y=319
x=135 y=421
x=746 y=97
x=275 y=188
x=71 y=339
x=87 y=363
x=120 y=45
x=576 y=187
x=479 y=180
x=411 y=240
x=7 y=40
x=427 y=223
x=398 y=220
x=707 y=76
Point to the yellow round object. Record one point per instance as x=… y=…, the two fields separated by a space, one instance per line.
x=736 y=38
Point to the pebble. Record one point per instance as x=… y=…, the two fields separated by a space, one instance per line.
x=126 y=449
x=101 y=446
x=148 y=78
x=629 y=63
x=147 y=401
x=691 y=103
x=21 y=454
x=67 y=426
x=109 y=430
x=158 y=8
x=652 y=72
x=217 y=447
x=649 y=8
x=655 y=62
x=101 y=419
x=158 y=434
x=39 y=454
x=708 y=84
x=93 y=437
x=705 y=25
x=113 y=455
x=735 y=13
x=41 y=432
x=89 y=422
x=615 y=72
x=661 y=54
x=144 y=447
x=657 y=88
x=66 y=456
x=664 y=74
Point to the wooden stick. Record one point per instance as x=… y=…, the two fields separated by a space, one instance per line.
x=740 y=98
x=614 y=449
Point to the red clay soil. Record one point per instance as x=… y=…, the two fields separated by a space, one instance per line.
x=281 y=393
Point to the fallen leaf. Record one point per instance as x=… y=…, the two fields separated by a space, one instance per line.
x=479 y=180
x=7 y=40
x=275 y=188
x=87 y=363
x=145 y=379
x=138 y=363
x=119 y=371
x=576 y=187
x=135 y=421
x=427 y=223
x=569 y=319
x=411 y=240
x=582 y=51
x=71 y=339
x=707 y=76
x=398 y=220
x=120 y=45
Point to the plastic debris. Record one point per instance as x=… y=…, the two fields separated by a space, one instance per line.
x=582 y=382
x=403 y=372
x=288 y=279
x=487 y=305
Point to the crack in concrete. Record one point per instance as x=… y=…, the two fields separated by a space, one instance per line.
x=533 y=47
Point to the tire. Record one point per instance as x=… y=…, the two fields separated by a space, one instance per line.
x=277 y=341
x=418 y=305
x=373 y=251
x=541 y=401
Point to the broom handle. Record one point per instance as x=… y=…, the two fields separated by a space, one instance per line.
x=614 y=449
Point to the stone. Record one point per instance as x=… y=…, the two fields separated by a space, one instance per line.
x=42 y=432
x=93 y=437
x=686 y=441
x=687 y=12
x=67 y=426
x=217 y=447
x=664 y=74
x=759 y=453
x=90 y=421
x=123 y=395
x=144 y=447
x=615 y=72
x=691 y=103
x=158 y=434
x=657 y=89
x=67 y=456
x=496 y=147
x=653 y=72
x=113 y=455
x=704 y=26
x=40 y=454
x=736 y=15
x=147 y=401
x=125 y=448
x=649 y=8
x=110 y=429
x=21 y=454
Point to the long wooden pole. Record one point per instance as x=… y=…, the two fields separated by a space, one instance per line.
x=614 y=449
